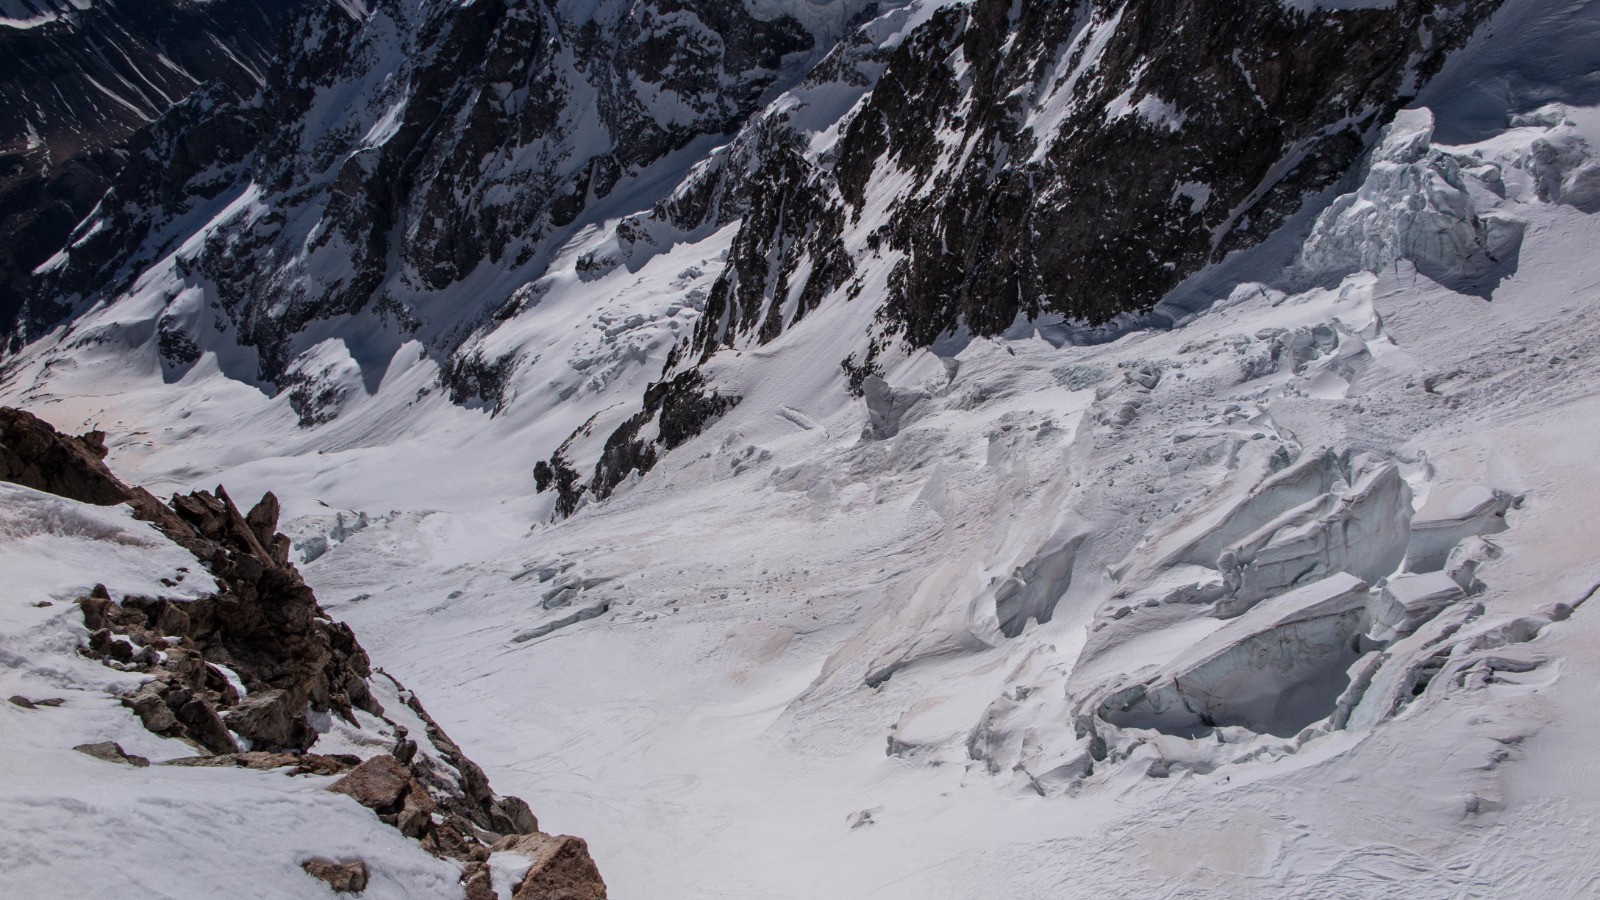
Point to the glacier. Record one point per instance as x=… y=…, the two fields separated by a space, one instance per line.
x=1283 y=595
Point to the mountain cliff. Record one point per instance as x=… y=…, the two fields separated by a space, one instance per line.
x=81 y=79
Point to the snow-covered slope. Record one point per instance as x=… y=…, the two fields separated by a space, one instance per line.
x=82 y=824
x=1287 y=598
x=204 y=651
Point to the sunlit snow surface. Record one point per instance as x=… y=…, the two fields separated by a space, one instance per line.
x=795 y=662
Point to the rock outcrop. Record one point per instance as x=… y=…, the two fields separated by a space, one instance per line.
x=1006 y=131
x=561 y=868
x=245 y=674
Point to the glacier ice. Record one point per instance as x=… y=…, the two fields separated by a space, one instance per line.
x=1415 y=203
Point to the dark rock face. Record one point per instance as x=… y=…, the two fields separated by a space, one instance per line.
x=391 y=155
x=1083 y=158
x=1078 y=159
x=680 y=409
x=265 y=626
x=75 y=88
x=792 y=215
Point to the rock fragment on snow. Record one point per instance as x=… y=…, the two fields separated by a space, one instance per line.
x=301 y=763
x=343 y=877
x=111 y=751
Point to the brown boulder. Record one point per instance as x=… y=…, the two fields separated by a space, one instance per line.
x=203 y=726
x=101 y=613
x=417 y=812
x=446 y=840
x=478 y=883
x=562 y=868
x=152 y=709
x=344 y=878
x=379 y=784
x=269 y=720
x=111 y=751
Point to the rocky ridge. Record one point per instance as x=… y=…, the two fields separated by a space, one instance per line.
x=254 y=675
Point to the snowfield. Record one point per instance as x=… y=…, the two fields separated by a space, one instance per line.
x=1294 y=598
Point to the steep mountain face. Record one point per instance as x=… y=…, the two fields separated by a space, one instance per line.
x=395 y=151
x=1076 y=161
x=413 y=170
x=1082 y=159
x=81 y=78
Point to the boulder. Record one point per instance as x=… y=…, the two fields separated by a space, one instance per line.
x=111 y=751
x=416 y=813
x=344 y=878
x=379 y=784
x=478 y=883
x=152 y=709
x=204 y=726
x=562 y=868
x=268 y=719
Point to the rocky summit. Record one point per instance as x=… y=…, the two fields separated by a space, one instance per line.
x=808 y=448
